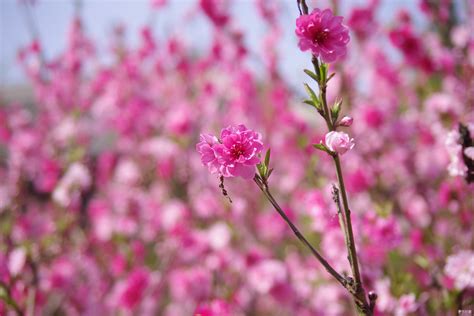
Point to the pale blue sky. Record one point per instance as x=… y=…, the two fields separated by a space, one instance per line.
x=52 y=18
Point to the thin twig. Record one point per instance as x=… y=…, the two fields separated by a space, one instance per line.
x=264 y=188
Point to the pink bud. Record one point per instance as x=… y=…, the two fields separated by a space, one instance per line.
x=339 y=142
x=346 y=121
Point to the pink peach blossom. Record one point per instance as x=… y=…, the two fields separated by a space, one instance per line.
x=323 y=34
x=234 y=155
x=339 y=142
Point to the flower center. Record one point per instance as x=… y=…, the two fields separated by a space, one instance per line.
x=237 y=150
x=320 y=36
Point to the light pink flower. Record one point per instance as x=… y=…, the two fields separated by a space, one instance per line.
x=469 y=152
x=323 y=34
x=339 y=142
x=16 y=260
x=460 y=268
x=266 y=274
x=406 y=305
x=234 y=155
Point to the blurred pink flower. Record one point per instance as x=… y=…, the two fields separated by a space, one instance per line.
x=469 y=152
x=215 y=11
x=234 y=155
x=460 y=268
x=16 y=260
x=406 y=305
x=266 y=274
x=339 y=142
x=323 y=34
x=214 y=308
x=362 y=22
x=133 y=288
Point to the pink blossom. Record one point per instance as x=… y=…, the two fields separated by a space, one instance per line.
x=266 y=274
x=208 y=155
x=16 y=260
x=460 y=268
x=214 y=308
x=215 y=11
x=339 y=142
x=323 y=34
x=406 y=305
x=132 y=290
x=234 y=155
x=361 y=21
x=469 y=152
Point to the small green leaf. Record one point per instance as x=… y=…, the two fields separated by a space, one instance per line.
x=267 y=158
x=323 y=72
x=336 y=109
x=309 y=102
x=311 y=93
x=322 y=147
x=311 y=74
x=261 y=170
x=269 y=173
x=314 y=98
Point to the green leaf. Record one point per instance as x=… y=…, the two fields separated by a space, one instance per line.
x=269 y=173
x=311 y=93
x=262 y=170
x=323 y=72
x=322 y=147
x=309 y=102
x=311 y=74
x=336 y=109
x=267 y=158
x=314 y=98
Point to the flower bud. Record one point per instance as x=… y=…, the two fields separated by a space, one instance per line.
x=346 y=121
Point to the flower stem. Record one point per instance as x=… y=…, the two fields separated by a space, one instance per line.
x=5 y=295
x=264 y=188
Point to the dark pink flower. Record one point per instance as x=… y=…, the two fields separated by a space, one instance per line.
x=134 y=288
x=323 y=34
x=234 y=155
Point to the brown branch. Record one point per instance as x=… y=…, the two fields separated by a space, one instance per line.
x=264 y=188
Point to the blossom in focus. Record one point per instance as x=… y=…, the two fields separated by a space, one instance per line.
x=339 y=142
x=460 y=268
x=323 y=34
x=234 y=155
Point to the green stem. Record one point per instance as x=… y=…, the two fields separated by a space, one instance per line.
x=9 y=300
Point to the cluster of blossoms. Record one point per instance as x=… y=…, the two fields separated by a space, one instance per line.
x=235 y=154
x=105 y=208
